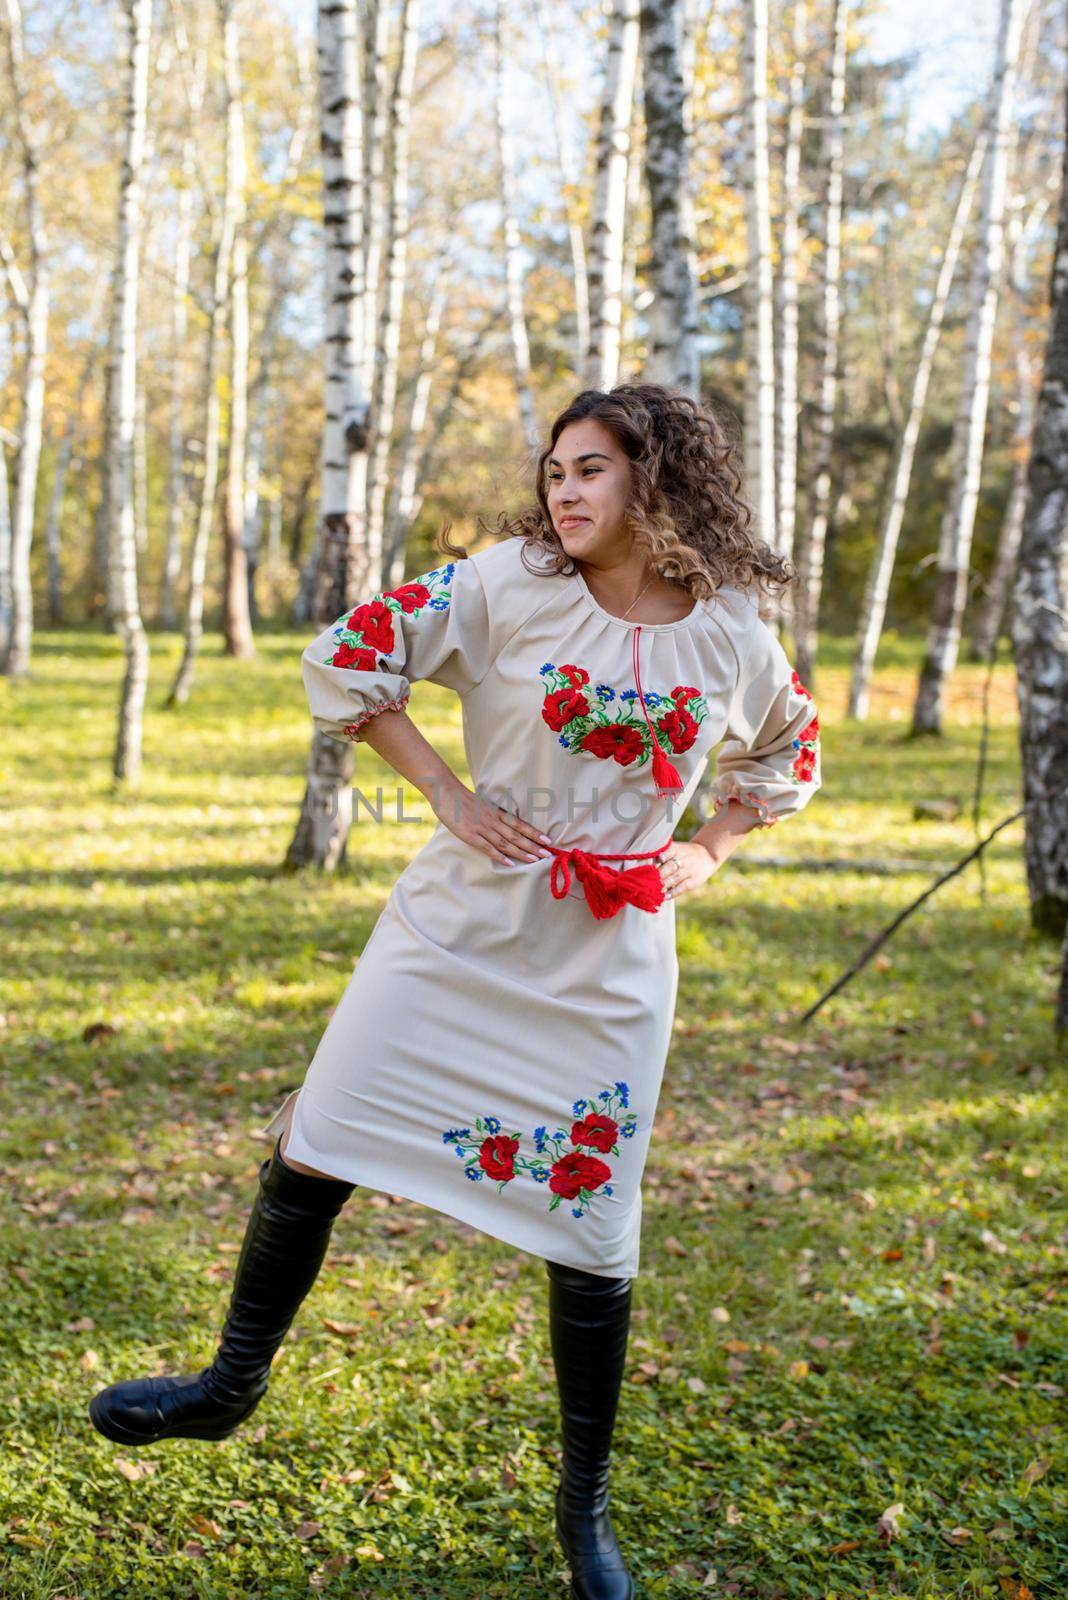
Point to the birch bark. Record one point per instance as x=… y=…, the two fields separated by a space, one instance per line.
x=954 y=553
x=127 y=758
x=809 y=589
x=671 y=356
x=600 y=368
x=759 y=303
x=31 y=296
x=877 y=588
x=1040 y=620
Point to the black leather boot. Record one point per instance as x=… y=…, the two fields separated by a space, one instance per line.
x=589 y=1319
x=285 y=1242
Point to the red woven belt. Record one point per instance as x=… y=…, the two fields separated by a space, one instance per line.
x=607 y=890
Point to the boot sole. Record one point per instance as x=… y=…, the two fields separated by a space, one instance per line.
x=120 y=1435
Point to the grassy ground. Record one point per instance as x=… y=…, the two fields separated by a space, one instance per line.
x=847 y=1369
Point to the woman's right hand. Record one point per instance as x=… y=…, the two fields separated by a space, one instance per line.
x=500 y=834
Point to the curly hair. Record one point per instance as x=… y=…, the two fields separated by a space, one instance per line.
x=687 y=510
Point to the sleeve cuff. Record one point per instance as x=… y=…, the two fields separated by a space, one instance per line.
x=747 y=797
x=351 y=730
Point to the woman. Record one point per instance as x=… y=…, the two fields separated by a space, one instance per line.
x=499 y=1049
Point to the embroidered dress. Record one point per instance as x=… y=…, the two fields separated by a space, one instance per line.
x=498 y=1052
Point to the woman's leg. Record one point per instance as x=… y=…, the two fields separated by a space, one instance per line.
x=589 y=1320
x=285 y=1243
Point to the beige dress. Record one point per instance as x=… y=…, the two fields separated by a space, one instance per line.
x=498 y=1052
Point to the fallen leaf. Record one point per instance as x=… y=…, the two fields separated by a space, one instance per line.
x=306 y=1530
x=1037 y=1469
x=799 y=1369
x=958 y=1535
x=845 y=1547
x=673 y=1247
x=887 y=1525
x=135 y=1470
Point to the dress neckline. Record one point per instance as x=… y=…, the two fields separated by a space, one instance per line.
x=624 y=622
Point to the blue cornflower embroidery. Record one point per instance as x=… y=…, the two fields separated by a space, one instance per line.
x=493 y=1124
x=579 y=1107
x=606 y=691
x=624 y=1093
x=548 y=667
x=539 y=1139
x=577 y=1212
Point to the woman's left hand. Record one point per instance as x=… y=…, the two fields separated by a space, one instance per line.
x=685 y=866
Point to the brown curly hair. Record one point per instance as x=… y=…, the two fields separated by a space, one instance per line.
x=687 y=509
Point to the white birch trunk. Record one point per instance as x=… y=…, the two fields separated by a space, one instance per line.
x=342 y=571
x=1040 y=626
x=384 y=401
x=512 y=248
x=954 y=553
x=5 y=551
x=571 y=186
x=127 y=758
x=759 y=300
x=671 y=356
x=810 y=585
x=32 y=299
x=404 y=504
x=632 y=204
x=990 y=614
x=877 y=588
x=600 y=368
x=375 y=118
x=787 y=401
x=237 y=625
x=176 y=497
x=209 y=482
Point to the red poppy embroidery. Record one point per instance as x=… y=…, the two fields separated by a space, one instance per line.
x=807 y=743
x=366 y=633
x=575 y=1172
x=598 y=721
x=569 y=1174
x=596 y=1131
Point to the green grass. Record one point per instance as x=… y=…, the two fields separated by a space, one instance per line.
x=853 y=1270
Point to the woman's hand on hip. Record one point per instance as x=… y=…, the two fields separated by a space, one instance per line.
x=500 y=834
x=685 y=866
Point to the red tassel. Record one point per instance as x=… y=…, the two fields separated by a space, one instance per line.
x=607 y=890
x=664 y=774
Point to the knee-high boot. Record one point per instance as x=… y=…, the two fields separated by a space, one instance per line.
x=285 y=1243
x=589 y=1320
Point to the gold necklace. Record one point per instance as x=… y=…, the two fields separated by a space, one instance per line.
x=634 y=602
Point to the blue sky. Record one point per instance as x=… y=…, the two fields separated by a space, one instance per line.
x=953 y=46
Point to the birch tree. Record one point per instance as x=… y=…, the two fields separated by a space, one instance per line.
x=600 y=368
x=30 y=293
x=176 y=496
x=237 y=626
x=1040 y=620
x=405 y=500
x=759 y=299
x=127 y=762
x=671 y=356
x=787 y=402
x=513 y=264
x=6 y=439
x=384 y=397
x=342 y=568
x=958 y=523
x=570 y=178
x=209 y=482
x=877 y=587
x=806 y=598
x=990 y=612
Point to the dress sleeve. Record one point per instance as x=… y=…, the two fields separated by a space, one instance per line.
x=435 y=627
x=770 y=758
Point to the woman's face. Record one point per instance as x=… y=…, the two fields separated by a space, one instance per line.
x=588 y=489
